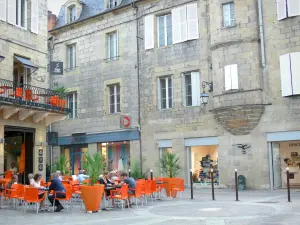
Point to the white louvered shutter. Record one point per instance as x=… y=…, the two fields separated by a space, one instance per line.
x=293 y=7
x=176 y=33
x=149 y=32
x=281 y=9
x=74 y=56
x=234 y=77
x=295 y=72
x=195 y=77
x=35 y=16
x=227 y=75
x=285 y=73
x=12 y=12
x=183 y=88
x=158 y=94
x=183 y=24
x=3 y=10
x=192 y=21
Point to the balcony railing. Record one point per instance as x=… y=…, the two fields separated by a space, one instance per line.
x=29 y=96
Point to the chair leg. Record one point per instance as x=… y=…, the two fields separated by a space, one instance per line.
x=37 y=208
x=136 y=203
x=53 y=204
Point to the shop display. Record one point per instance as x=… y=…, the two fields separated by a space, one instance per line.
x=206 y=164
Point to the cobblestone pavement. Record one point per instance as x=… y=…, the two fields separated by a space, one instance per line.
x=254 y=208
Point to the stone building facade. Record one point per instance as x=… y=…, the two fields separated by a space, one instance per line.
x=24 y=94
x=239 y=52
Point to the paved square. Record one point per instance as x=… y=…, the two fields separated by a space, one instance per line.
x=254 y=208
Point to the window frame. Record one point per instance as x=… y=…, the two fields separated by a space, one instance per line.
x=165 y=30
x=19 y=14
x=74 y=111
x=73 y=60
x=166 y=78
x=115 y=98
x=231 y=14
x=186 y=90
x=232 y=76
x=112 y=4
x=71 y=10
x=116 y=45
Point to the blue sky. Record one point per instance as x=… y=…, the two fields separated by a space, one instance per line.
x=54 y=5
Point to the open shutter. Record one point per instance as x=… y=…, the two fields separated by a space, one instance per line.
x=117 y=44
x=293 y=7
x=149 y=32
x=234 y=77
x=158 y=94
x=12 y=12
x=176 y=33
x=74 y=56
x=227 y=75
x=183 y=89
x=281 y=9
x=285 y=73
x=294 y=65
x=183 y=24
x=195 y=88
x=35 y=16
x=3 y=10
x=192 y=21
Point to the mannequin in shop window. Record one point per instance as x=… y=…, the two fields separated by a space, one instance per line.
x=121 y=165
x=110 y=163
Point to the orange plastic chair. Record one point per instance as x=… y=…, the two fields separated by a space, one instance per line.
x=19 y=92
x=68 y=193
x=123 y=196
x=137 y=193
x=147 y=191
x=31 y=195
x=176 y=186
x=8 y=174
x=2 y=90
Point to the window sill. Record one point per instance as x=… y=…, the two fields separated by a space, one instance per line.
x=163 y=47
x=108 y=60
x=114 y=114
x=229 y=27
x=71 y=70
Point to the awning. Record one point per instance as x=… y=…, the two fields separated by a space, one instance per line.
x=1 y=58
x=27 y=63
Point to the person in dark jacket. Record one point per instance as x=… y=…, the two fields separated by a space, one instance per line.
x=57 y=186
x=106 y=182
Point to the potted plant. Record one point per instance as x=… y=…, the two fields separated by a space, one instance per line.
x=92 y=193
x=136 y=171
x=170 y=166
x=62 y=164
x=57 y=100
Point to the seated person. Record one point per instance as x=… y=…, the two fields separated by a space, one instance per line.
x=57 y=186
x=81 y=176
x=30 y=178
x=14 y=180
x=37 y=184
x=130 y=182
x=59 y=175
x=106 y=182
x=113 y=176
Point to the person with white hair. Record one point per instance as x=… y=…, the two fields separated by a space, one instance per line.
x=59 y=175
x=81 y=176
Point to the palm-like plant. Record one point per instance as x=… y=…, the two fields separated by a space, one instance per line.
x=169 y=164
x=60 y=90
x=94 y=167
x=62 y=164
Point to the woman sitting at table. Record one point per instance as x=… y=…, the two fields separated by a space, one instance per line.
x=106 y=182
x=30 y=178
x=37 y=184
x=14 y=180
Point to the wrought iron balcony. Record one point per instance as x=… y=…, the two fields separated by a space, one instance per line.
x=27 y=96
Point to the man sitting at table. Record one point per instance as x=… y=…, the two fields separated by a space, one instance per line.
x=57 y=186
x=130 y=182
x=81 y=176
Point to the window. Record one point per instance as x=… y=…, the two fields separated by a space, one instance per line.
x=72 y=13
x=112 y=46
x=191 y=81
x=231 y=77
x=114 y=99
x=164 y=30
x=165 y=92
x=228 y=15
x=71 y=62
x=72 y=103
x=289 y=71
x=287 y=8
x=21 y=13
x=112 y=4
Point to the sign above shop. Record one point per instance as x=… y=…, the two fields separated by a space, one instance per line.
x=52 y=138
x=56 y=68
x=78 y=138
x=125 y=121
x=294 y=145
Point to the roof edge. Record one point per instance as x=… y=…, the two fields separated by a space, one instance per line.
x=99 y=14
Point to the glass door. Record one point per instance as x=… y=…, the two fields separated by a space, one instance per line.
x=77 y=158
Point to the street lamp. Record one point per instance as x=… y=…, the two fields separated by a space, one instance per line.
x=1 y=58
x=204 y=96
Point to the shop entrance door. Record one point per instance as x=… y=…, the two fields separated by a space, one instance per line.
x=277 y=168
x=77 y=156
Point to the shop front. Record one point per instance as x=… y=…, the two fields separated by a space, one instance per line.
x=284 y=152
x=202 y=158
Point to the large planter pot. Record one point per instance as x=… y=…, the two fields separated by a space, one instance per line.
x=92 y=196
x=170 y=183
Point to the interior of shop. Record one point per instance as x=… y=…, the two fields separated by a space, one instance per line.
x=75 y=156
x=15 y=142
x=289 y=154
x=203 y=159
x=116 y=154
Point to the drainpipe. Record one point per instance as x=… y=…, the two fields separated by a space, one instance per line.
x=262 y=41
x=138 y=79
